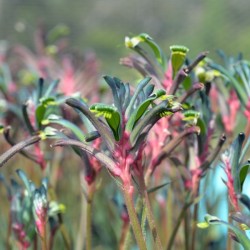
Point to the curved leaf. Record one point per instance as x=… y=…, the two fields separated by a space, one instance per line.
x=235 y=151
x=143 y=83
x=67 y=124
x=102 y=157
x=140 y=111
x=104 y=132
x=113 y=84
x=111 y=115
x=17 y=148
x=25 y=180
x=239 y=89
x=155 y=48
x=241 y=237
x=243 y=171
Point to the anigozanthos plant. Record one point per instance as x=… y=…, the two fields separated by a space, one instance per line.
x=155 y=154
x=44 y=101
x=30 y=211
x=236 y=171
x=124 y=132
x=193 y=128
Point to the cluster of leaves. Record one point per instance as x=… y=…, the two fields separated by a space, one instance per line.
x=30 y=209
x=160 y=133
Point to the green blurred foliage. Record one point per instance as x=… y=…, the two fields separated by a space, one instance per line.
x=101 y=25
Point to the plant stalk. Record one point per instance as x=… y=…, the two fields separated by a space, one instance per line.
x=89 y=208
x=134 y=219
x=81 y=230
x=181 y=216
x=44 y=239
x=124 y=233
x=8 y=247
x=196 y=206
x=150 y=217
x=186 y=230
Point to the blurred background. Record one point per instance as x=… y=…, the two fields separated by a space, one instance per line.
x=102 y=25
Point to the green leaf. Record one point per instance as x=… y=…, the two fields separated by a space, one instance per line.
x=154 y=189
x=103 y=130
x=126 y=96
x=52 y=133
x=1 y=129
x=25 y=180
x=143 y=83
x=244 y=199
x=133 y=43
x=52 y=86
x=67 y=124
x=242 y=238
x=155 y=47
x=239 y=89
x=243 y=171
x=140 y=111
x=235 y=151
x=150 y=119
x=57 y=32
x=187 y=83
x=42 y=108
x=113 y=84
x=48 y=101
x=111 y=115
x=245 y=149
x=40 y=112
x=40 y=89
x=149 y=90
x=201 y=124
x=91 y=136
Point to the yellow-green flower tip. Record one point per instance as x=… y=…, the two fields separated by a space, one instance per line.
x=203 y=225
x=179 y=48
x=132 y=42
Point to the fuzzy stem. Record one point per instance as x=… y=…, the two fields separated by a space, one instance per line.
x=134 y=219
x=8 y=247
x=89 y=209
x=88 y=226
x=44 y=239
x=196 y=207
x=169 y=215
x=144 y=219
x=35 y=243
x=229 y=241
x=138 y=209
x=124 y=233
x=186 y=230
x=51 y=241
x=151 y=222
x=81 y=230
x=150 y=217
x=128 y=239
x=181 y=216
x=65 y=236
